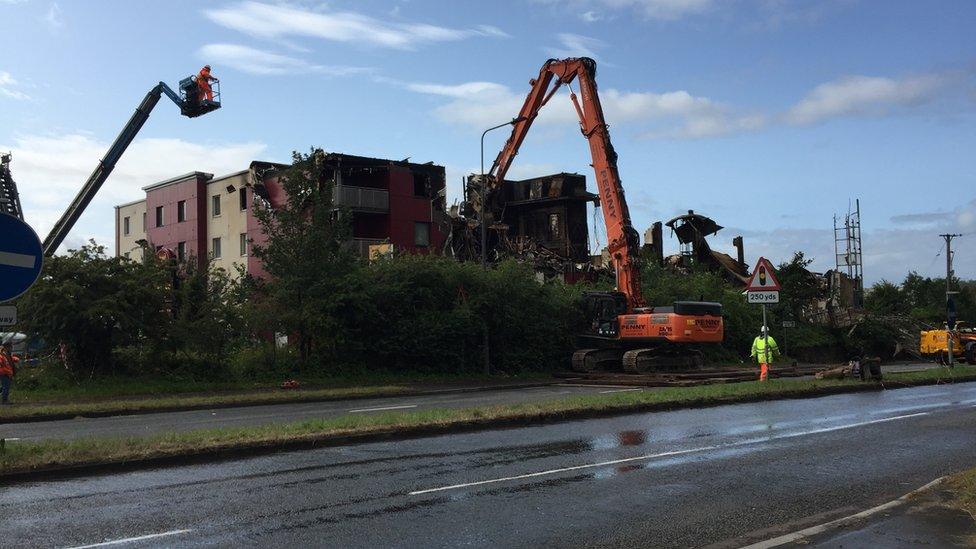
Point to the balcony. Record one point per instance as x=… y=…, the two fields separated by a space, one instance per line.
x=362 y=198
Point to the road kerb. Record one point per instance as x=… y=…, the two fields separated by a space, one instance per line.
x=821 y=528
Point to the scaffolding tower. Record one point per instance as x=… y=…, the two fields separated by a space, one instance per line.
x=847 y=250
x=9 y=199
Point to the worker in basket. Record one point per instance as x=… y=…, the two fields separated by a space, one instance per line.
x=764 y=348
x=203 y=83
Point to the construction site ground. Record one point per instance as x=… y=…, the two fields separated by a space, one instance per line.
x=429 y=397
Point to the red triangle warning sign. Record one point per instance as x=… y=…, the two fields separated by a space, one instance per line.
x=763 y=278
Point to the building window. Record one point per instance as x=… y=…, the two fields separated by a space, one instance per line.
x=143 y=221
x=421 y=234
x=125 y=226
x=215 y=247
x=243 y=198
x=159 y=216
x=127 y=255
x=181 y=211
x=554 y=227
x=181 y=251
x=243 y=244
x=420 y=184
x=215 y=205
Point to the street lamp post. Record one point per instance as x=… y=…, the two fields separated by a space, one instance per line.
x=484 y=227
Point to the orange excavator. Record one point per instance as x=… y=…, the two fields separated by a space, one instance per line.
x=623 y=331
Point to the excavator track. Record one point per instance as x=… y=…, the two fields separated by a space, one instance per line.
x=589 y=360
x=661 y=360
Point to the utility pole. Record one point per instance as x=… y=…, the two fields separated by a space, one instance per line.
x=950 y=321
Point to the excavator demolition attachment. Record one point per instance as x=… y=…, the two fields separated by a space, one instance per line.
x=624 y=333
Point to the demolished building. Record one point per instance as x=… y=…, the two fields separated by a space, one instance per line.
x=691 y=230
x=541 y=220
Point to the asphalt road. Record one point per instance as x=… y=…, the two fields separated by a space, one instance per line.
x=146 y=424
x=685 y=478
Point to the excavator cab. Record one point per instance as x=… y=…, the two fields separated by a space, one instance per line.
x=603 y=310
x=190 y=103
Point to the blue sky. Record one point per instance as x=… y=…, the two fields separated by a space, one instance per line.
x=769 y=115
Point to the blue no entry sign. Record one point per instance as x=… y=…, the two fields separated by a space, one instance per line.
x=20 y=257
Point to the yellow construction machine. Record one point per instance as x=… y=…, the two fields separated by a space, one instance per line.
x=934 y=344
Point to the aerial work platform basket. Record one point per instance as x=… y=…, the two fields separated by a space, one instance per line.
x=190 y=103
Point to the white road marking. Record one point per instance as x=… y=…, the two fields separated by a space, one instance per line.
x=381 y=408
x=814 y=530
x=10 y=438
x=648 y=457
x=586 y=386
x=130 y=540
x=564 y=469
x=11 y=259
x=622 y=390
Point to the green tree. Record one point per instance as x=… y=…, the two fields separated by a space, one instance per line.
x=799 y=287
x=306 y=256
x=886 y=298
x=94 y=303
x=206 y=317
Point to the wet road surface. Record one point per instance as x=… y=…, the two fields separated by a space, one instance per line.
x=147 y=424
x=683 y=478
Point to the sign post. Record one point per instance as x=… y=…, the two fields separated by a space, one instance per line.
x=21 y=257
x=763 y=288
x=787 y=324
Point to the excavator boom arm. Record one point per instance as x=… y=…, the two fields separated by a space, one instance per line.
x=622 y=239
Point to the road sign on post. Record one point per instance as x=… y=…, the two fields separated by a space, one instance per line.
x=763 y=278
x=8 y=315
x=20 y=257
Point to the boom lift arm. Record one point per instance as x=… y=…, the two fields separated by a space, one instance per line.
x=190 y=106
x=623 y=239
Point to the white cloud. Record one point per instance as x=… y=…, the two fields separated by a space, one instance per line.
x=576 y=45
x=590 y=16
x=8 y=87
x=466 y=90
x=681 y=115
x=651 y=9
x=277 y=21
x=863 y=95
x=676 y=114
x=50 y=170
x=53 y=18
x=255 y=61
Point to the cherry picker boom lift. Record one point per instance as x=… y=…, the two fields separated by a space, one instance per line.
x=191 y=106
x=623 y=330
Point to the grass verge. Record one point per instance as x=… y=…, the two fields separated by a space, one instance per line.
x=31 y=459
x=44 y=385
x=164 y=395
x=963 y=488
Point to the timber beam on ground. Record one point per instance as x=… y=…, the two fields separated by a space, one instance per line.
x=683 y=379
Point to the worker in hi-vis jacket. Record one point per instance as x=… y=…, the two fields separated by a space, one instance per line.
x=764 y=348
x=203 y=83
